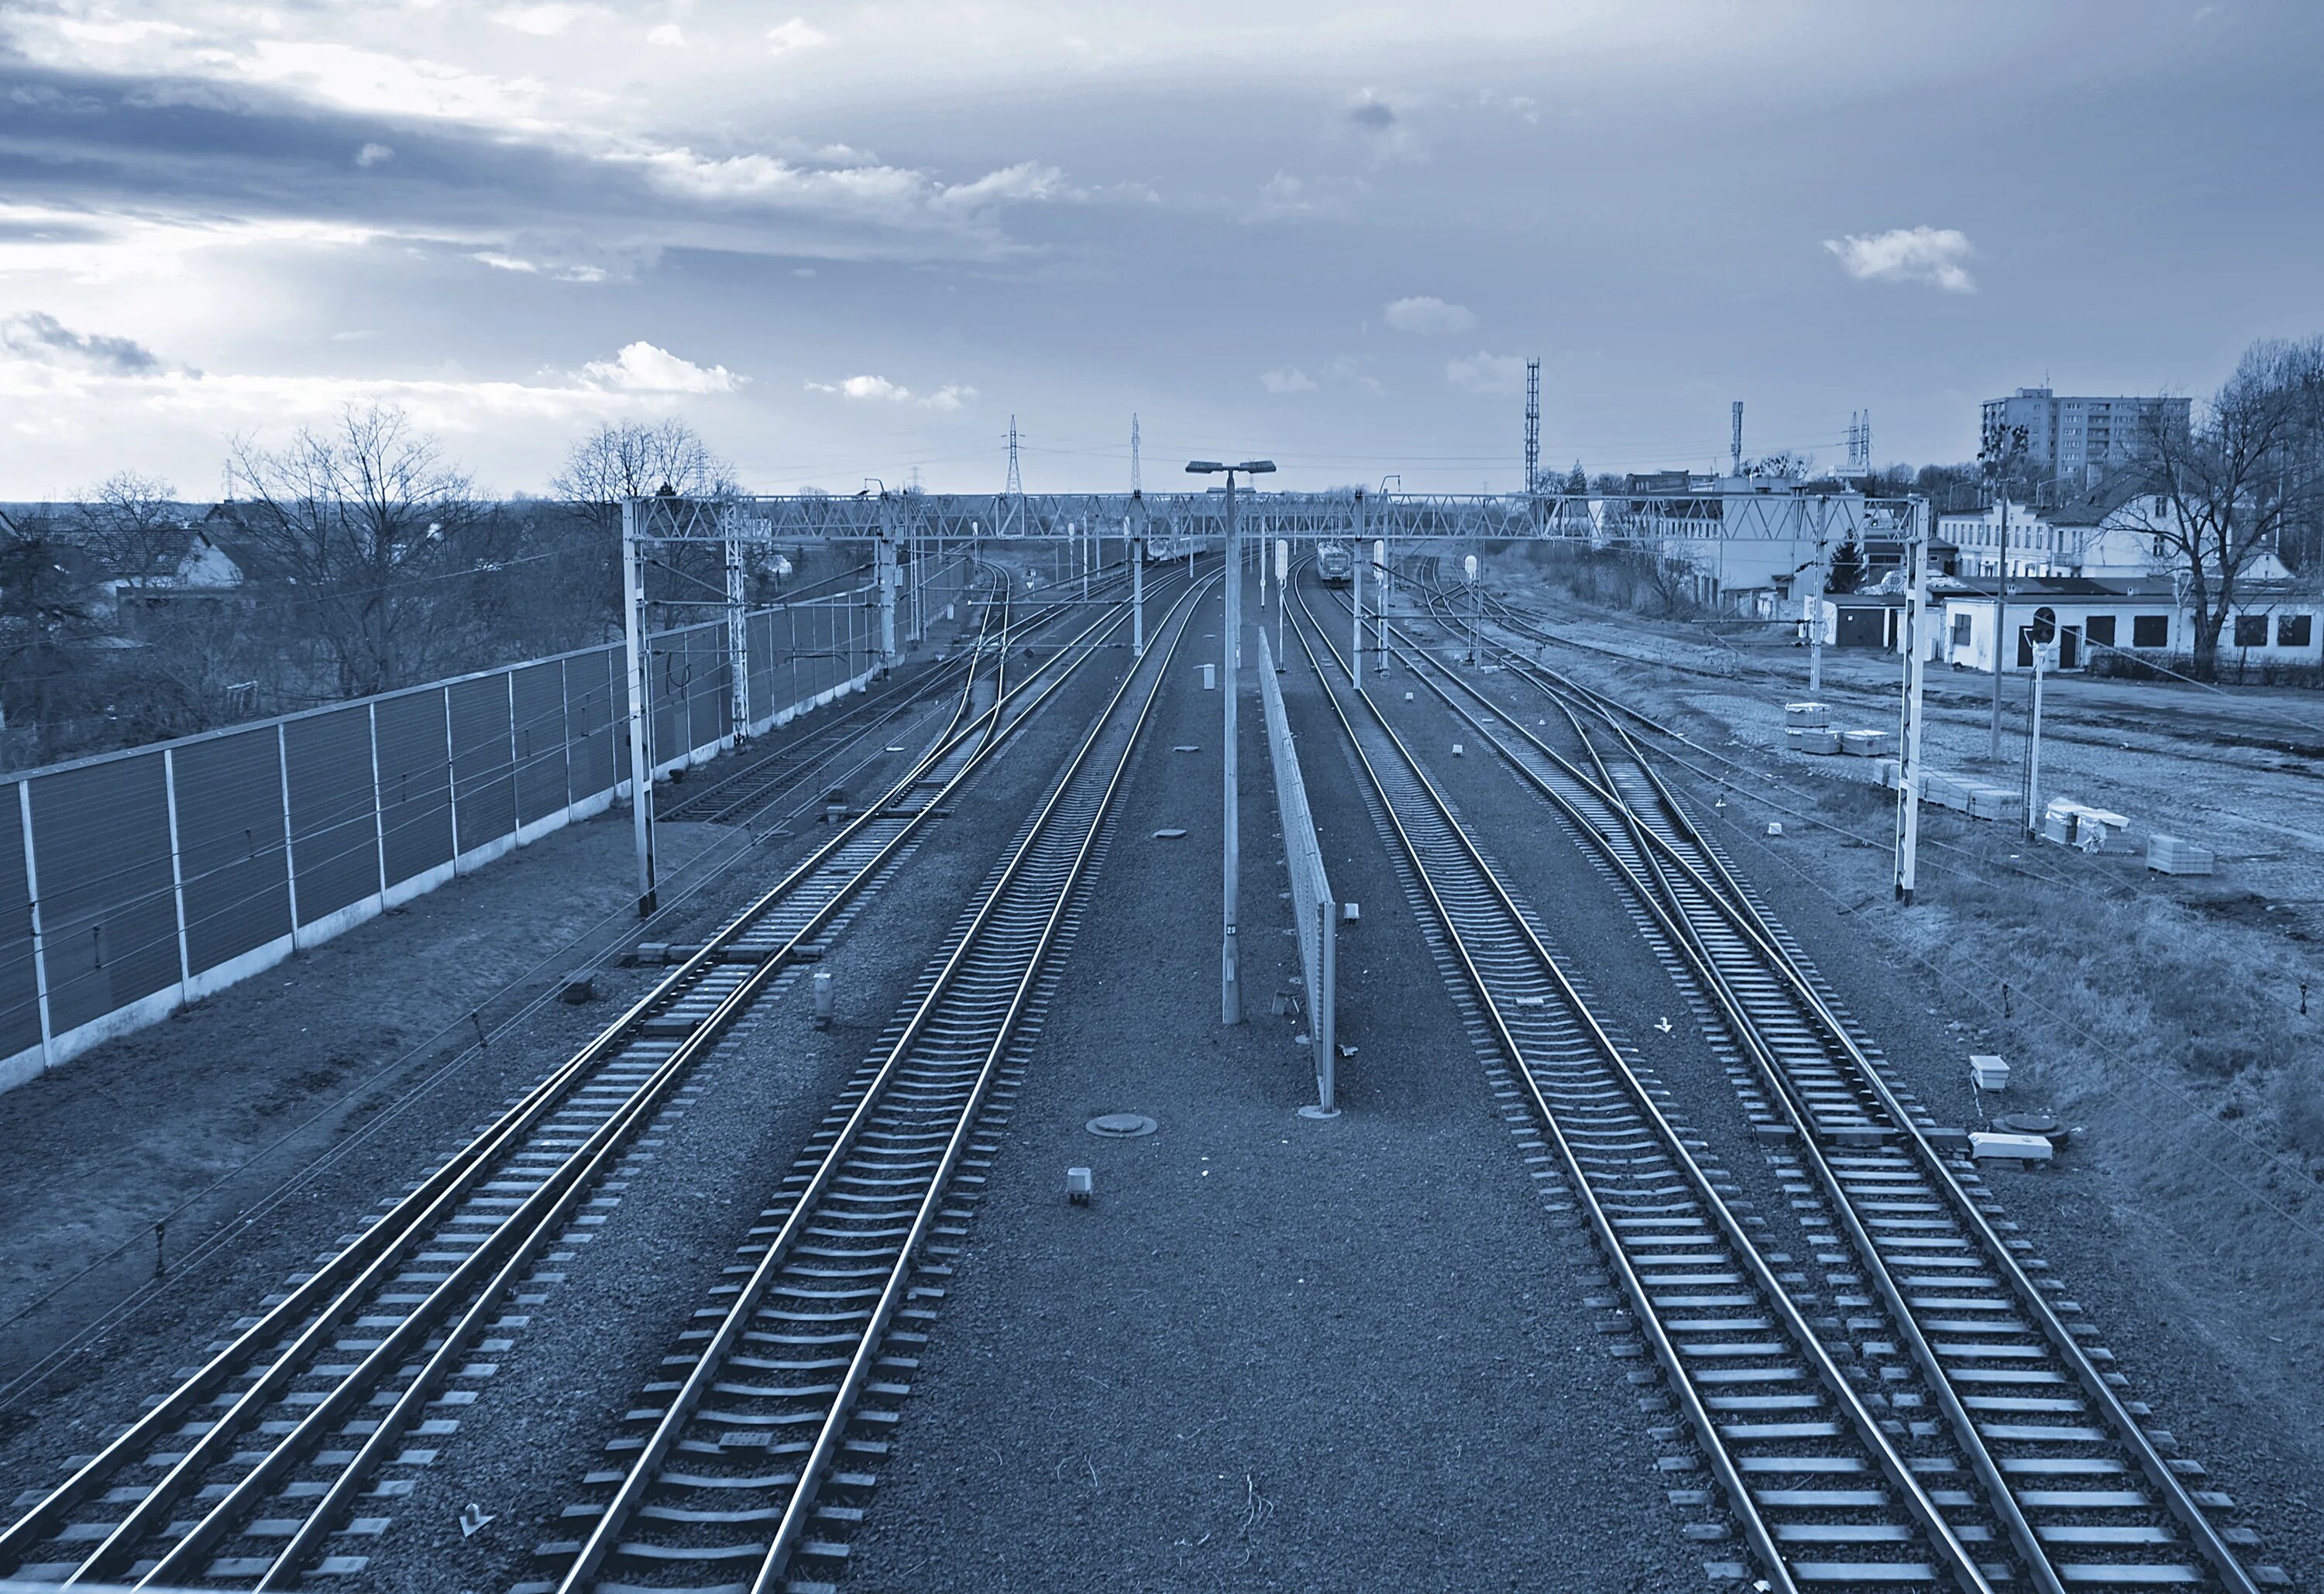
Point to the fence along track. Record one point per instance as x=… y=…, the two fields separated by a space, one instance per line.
x=483 y=1214
x=730 y=1476
x=1773 y=1412
x=2059 y=1451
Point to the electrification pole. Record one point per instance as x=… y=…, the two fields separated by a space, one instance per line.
x=1997 y=452
x=639 y=659
x=1908 y=744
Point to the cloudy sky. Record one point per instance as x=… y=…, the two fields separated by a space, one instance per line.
x=854 y=239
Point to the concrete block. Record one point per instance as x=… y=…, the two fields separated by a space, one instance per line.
x=1987 y=1146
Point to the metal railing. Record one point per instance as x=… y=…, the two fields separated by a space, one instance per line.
x=1314 y=910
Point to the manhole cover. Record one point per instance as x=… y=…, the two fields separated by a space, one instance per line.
x=1168 y=836
x=1122 y=1126
x=2031 y=1123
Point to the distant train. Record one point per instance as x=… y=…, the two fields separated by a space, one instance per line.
x=1334 y=565
x=1163 y=546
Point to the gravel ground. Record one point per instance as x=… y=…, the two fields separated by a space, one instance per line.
x=2216 y=1374
x=1262 y=1358
x=626 y=1296
x=2236 y=771
x=364 y=1126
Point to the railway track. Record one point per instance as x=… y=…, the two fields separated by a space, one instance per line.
x=2020 y=1400
x=756 y=1454
x=740 y=794
x=249 y=1471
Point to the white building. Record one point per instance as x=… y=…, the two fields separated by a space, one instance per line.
x=2079 y=538
x=2269 y=625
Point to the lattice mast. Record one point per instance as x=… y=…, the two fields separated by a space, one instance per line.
x=1532 y=428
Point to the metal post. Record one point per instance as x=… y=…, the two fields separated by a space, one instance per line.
x=1815 y=619
x=1323 y=1030
x=1230 y=653
x=1282 y=582
x=1082 y=535
x=738 y=632
x=1138 y=603
x=633 y=637
x=1265 y=549
x=884 y=566
x=1908 y=761
x=2033 y=749
x=919 y=550
x=177 y=870
x=2000 y=623
x=1356 y=581
x=1379 y=569
x=39 y=930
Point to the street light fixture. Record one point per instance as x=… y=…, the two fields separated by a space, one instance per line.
x=1230 y=658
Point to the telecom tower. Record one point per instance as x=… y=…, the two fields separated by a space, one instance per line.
x=1012 y=495
x=1136 y=485
x=1532 y=428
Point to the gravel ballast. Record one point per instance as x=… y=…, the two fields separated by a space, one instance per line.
x=2174 y=1326
x=1271 y=1352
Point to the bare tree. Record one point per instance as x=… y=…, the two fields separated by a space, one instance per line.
x=2217 y=494
x=132 y=524
x=630 y=459
x=365 y=519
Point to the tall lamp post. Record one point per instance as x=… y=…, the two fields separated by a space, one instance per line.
x=1999 y=453
x=1230 y=654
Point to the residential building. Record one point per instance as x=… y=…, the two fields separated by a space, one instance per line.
x=2034 y=543
x=2075 y=440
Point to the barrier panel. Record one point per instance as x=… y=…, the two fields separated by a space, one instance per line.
x=135 y=882
x=1314 y=912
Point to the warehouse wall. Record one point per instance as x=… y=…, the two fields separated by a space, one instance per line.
x=133 y=882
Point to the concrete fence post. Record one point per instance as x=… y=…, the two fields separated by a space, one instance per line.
x=39 y=937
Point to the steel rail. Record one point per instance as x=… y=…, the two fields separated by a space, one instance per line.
x=685 y=1403
x=1742 y=1499
x=308 y=1538
x=359 y=1268
x=1671 y=916
x=1724 y=895
x=756 y=781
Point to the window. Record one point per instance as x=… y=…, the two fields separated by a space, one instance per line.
x=2099 y=628
x=2150 y=631
x=1960 y=631
x=2251 y=630
x=2291 y=630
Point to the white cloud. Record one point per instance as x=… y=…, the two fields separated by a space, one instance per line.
x=1026 y=180
x=880 y=390
x=1427 y=315
x=1287 y=195
x=1483 y=373
x=373 y=154
x=644 y=368
x=1289 y=379
x=669 y=35
x=1929 y=256
x=795 y=34
x=569 y=272
x=542 y=21
x=802 y=271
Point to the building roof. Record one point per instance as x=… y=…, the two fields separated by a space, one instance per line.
x=2034 y=587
